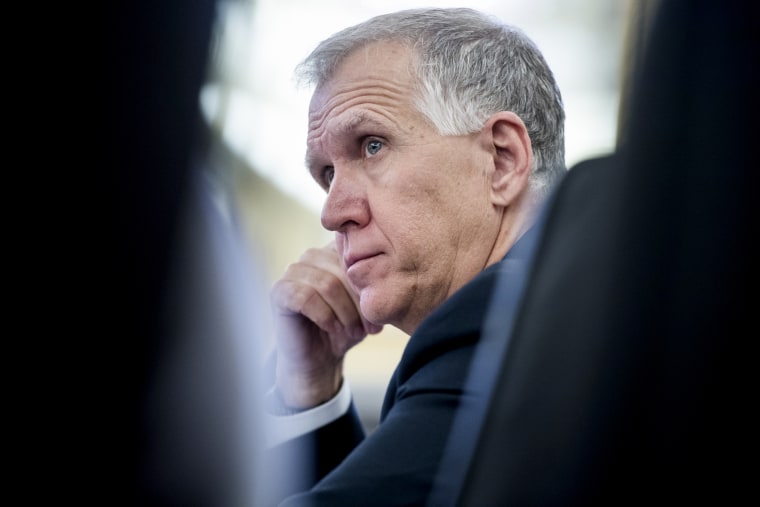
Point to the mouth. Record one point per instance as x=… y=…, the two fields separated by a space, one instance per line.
x=352 y=260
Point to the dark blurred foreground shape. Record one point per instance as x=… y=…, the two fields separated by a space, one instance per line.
x=624 y=379
x=182 y=297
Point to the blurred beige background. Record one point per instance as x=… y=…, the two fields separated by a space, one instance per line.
x=259 y=120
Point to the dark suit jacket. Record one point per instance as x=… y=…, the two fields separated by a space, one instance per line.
x=396 y=464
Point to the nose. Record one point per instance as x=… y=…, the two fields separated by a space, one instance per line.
x=346 y=204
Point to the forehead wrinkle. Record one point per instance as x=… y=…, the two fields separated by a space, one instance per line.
x=342 y=125
x=367 y=93
x=377 y=114
x=379 y=101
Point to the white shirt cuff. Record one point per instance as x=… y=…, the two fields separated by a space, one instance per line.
x=281 y=428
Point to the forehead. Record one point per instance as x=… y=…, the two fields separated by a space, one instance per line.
x=374 y=83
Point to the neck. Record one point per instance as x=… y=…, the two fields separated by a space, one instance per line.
x=515 y=222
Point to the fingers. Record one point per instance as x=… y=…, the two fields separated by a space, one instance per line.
x=328 y=259
x=318 y=319
x=316 y=288
x=318 y=296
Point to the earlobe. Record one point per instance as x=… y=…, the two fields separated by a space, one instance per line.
x=512 y=154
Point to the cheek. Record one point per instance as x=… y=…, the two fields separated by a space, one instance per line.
x=419 y=199
x=419 y=227
x=413 y=208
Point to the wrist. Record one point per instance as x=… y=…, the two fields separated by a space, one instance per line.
x=275 y=404
x=298 y=391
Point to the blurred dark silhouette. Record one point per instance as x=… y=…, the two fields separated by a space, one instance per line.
x=182 y=298
x=621 y=377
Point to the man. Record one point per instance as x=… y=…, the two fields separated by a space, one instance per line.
x=436 y=133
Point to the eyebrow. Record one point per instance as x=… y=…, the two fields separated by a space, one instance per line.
x=356 y=120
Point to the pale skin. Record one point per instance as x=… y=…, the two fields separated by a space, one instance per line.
x=416 y=215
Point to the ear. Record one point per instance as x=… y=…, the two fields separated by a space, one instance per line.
x=507 y=139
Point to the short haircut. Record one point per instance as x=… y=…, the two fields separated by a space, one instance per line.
x=468 y=66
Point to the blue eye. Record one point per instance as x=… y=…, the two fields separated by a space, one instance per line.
x=373 y=146
x=327 y=175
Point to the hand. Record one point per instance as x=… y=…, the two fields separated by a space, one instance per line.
x=317 y=320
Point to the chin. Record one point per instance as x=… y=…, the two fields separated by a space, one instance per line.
x=376 y=308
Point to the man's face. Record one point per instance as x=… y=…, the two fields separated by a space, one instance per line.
x=410 y=208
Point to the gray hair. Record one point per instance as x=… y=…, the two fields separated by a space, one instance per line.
x=468 y=66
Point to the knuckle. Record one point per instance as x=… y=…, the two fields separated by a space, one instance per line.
x=290 y=296
x=331 y=287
